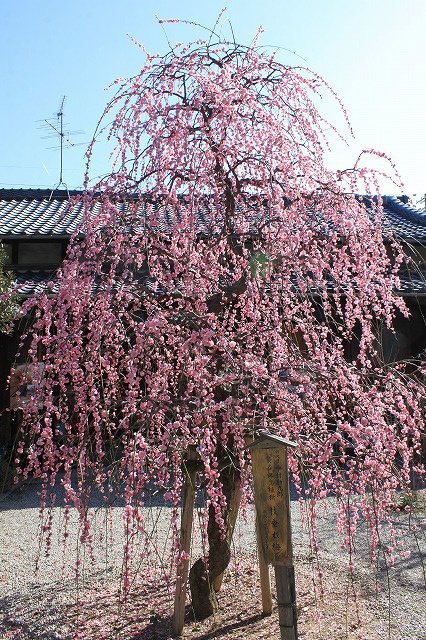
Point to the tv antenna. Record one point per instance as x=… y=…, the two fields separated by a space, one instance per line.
x=57 y=128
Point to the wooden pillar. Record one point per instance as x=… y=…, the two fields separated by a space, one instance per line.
x=188 y=499
x=265 y=578
x=8 y=348
x=286 y=600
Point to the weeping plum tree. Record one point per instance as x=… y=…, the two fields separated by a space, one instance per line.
x=227 y=280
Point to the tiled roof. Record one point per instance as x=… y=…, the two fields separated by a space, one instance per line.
x=38 y=212
x=31 y=282
x=404 y=221
x=413 y=280
x=33 y=212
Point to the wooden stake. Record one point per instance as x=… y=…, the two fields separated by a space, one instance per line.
x=188 y=499
x=265 y=578
x=286 y=598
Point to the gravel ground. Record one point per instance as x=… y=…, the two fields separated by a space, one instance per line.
x=390 y=604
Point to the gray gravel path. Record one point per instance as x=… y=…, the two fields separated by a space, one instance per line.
x=32 y=606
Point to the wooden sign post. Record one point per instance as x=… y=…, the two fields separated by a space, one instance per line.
x=190 y=467
x=273 y=527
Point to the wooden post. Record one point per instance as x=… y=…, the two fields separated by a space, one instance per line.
x=190 y=469
x=273 y=526
x=265 y=578
x=286 y=599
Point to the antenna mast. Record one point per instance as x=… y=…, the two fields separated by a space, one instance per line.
x=60 y=115
x=57 y=128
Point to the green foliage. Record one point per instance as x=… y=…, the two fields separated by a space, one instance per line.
x=259 y=264
x=8 y=307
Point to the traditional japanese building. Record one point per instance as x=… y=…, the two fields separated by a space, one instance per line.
x=36 y=226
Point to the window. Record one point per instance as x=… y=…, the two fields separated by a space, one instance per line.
x=39 y=253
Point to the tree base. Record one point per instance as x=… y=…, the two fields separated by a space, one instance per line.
x=204 y=600
x=202 y=578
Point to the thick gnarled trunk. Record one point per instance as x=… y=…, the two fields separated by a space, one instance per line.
x=205 y=579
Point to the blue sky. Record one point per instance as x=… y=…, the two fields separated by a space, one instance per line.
x=371 y=51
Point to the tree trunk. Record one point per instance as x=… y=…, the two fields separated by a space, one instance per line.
x=202 y=577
